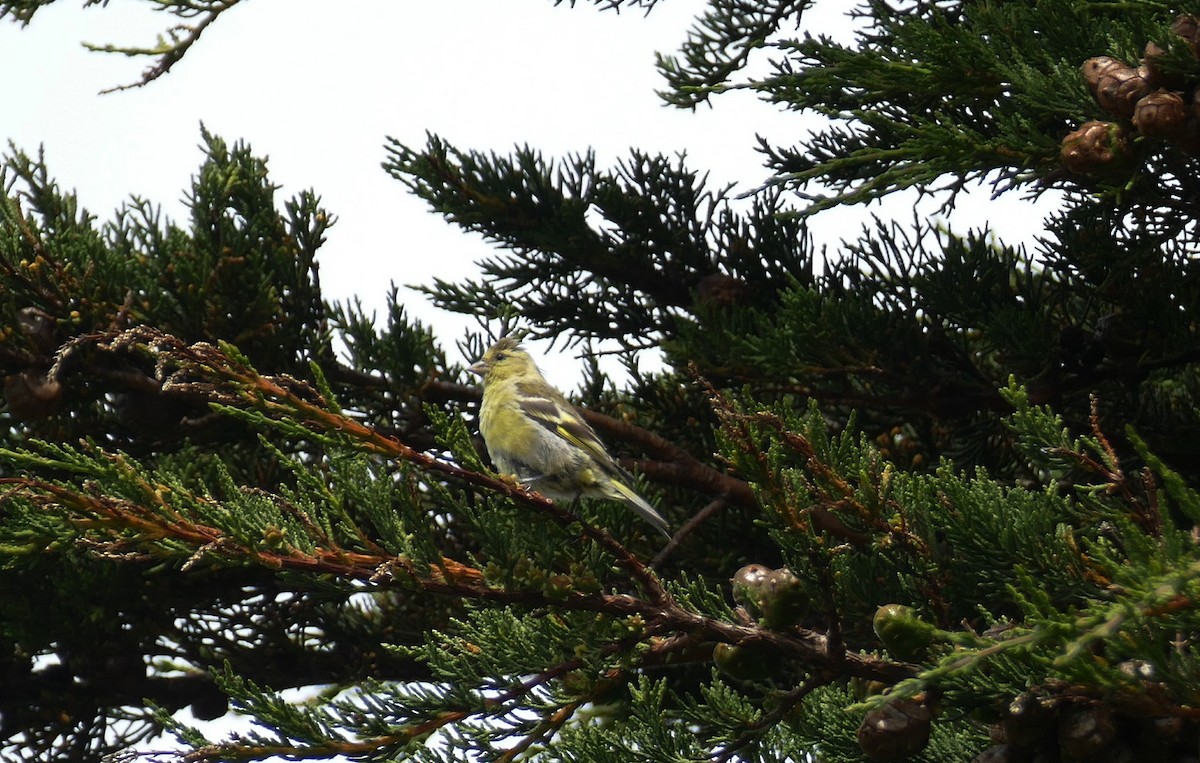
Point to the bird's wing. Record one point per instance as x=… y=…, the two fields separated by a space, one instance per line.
x=552 y=411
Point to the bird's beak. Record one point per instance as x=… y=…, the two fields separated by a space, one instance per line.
x=477 y=367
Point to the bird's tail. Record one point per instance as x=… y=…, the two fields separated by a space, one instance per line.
x=647 y=512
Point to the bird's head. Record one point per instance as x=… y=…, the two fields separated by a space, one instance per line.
x=503 y=360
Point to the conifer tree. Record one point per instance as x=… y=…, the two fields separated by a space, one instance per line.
x=935 y=497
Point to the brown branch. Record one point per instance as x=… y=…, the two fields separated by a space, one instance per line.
x=661 y=615
x=802 y=644
x=823 y=513
x=649 y=441
x=556 y=719
x=820 y=514
x=288 y=398
x=238 y=750
x=783 y=706
x=548 y=726
x=441 y=391
x=673 y=465
x=688 y=527
x=704 y=479
x=202 y=368
x=167 y=57
x=668 y=627
x=1107 y=466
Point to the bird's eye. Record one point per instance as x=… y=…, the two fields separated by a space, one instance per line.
x=501 y=355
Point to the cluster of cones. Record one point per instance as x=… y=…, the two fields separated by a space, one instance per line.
x=1144 y=101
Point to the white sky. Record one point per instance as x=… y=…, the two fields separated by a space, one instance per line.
x=319 y=90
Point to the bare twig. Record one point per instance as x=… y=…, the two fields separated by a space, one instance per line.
x=171 y=49
x=700 y=517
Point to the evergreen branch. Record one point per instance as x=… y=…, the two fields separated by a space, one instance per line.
x=1070 y=640
x=160 y=523
x=556 y=719
x=548 y=726
x=22 y=11
x=51 y=298
x=616 y=5
x=677 y=467
x=179 y=39
x=933 y=402
x=1169 y=594
x=714 y=506
x=783 y=706
x=661 y=614
x=236 y=384
x=975 y=658
x=822 y=517
x=606 y=277
x=239 y=751
x=719 y=45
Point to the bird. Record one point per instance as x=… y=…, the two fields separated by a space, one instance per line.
x=533 y=433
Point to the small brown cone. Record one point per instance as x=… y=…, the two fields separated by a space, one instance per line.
x=896 y=731
x=1085 y=732
x=31 y=395
x=1115 y=85
x=1094 y=147
x=1152 y=71
x=1160 y=114
x=1186 y=26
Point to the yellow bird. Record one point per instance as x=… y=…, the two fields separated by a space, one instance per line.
x=531 y=431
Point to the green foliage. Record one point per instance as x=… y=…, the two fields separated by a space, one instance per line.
x=204 y=506
x=168 y=49
x=972 y=90
x=580 y=237
x=719 y=45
